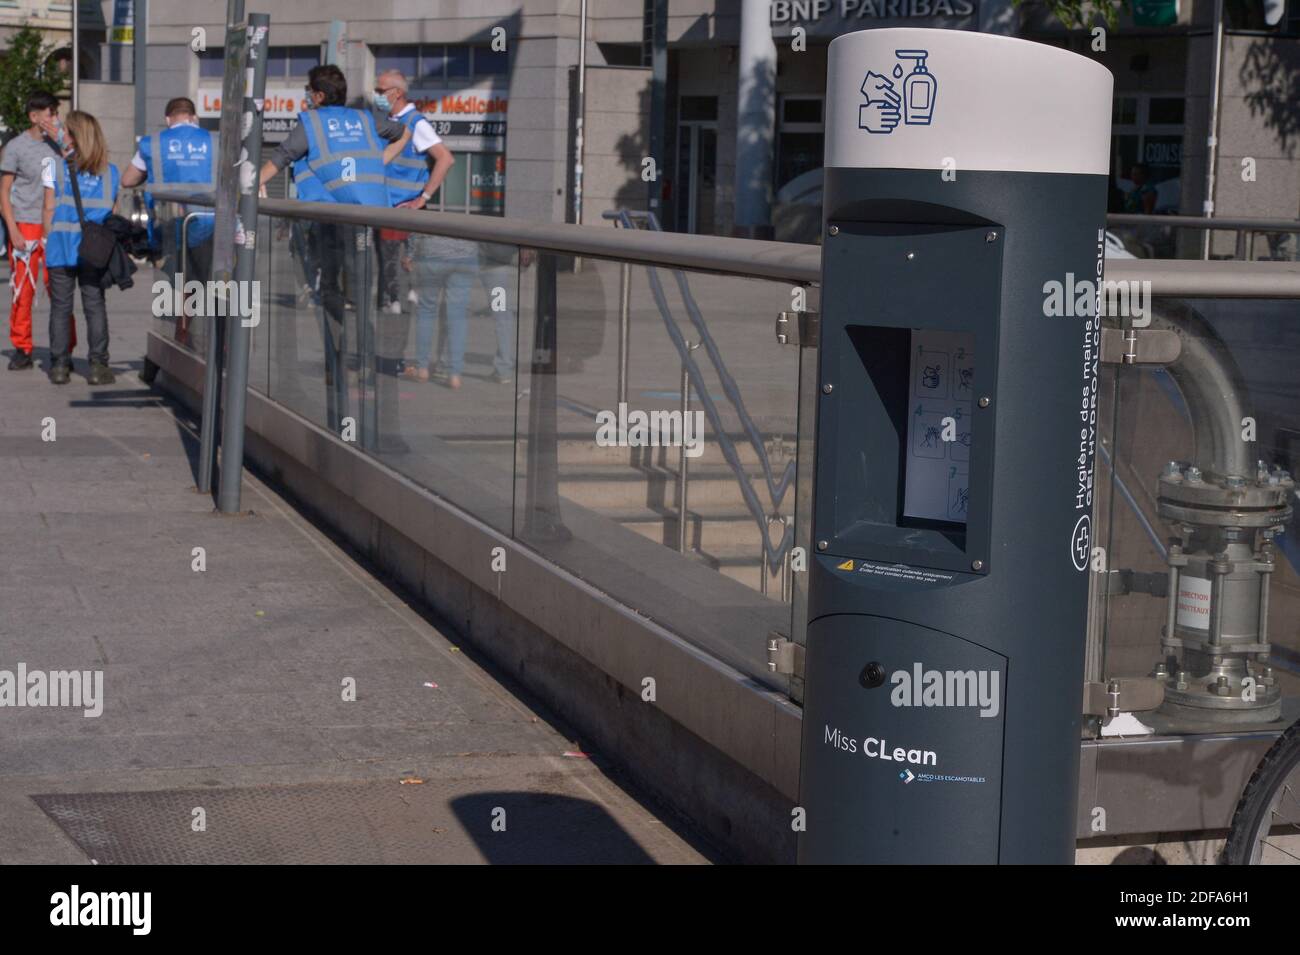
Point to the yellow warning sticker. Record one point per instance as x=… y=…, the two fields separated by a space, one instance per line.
x=847 y=565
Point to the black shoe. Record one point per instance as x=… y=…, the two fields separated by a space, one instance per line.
x=100 y=374
x=20 y=361
x=60 y=374
x=500 y=379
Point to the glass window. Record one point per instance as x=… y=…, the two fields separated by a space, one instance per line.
x=432 y=63
x=797 y=153
x=1125 y=110
x=698 y=109
x=277 y=61
x=490 y=62
x=212 y=63
x=402 y=58
x=801 y=110
x=300 y=59
x=1166 y=111
x=487 y=186
x=454 y=192
x=458 y=60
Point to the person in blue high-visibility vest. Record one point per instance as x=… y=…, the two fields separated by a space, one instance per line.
x=339 y=155
x=86 y=157
x=412 y=181
x=182 y=154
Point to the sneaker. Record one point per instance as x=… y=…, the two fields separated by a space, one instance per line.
x=394 y=308
x=20 y=361
x=60 y=373
x=500 y=379
x=101 y=374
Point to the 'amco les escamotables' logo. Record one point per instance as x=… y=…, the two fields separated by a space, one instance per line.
x=886 y=106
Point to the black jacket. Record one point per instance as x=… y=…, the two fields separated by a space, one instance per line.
x=120 y=268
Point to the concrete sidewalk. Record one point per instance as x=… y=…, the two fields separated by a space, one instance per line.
x=225 y=735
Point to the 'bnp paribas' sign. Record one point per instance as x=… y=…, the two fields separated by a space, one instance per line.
x=833 y=17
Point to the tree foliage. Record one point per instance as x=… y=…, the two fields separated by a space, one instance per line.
x=1082 y=14
x=26 y=69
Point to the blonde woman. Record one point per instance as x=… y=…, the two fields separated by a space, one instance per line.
x=85 y=156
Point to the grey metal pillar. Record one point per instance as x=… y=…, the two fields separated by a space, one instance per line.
x=76 y=54
x=232 y=87
x=232 y=424
x=140 y=66
x=657 y=24
x=755 y=121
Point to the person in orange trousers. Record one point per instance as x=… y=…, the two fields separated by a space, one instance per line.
x=21 y=198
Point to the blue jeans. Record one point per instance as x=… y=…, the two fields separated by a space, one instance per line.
x=456 y=276
x=506 y=277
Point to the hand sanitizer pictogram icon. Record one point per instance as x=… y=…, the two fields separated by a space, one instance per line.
x=885 y=109
x=918 y=89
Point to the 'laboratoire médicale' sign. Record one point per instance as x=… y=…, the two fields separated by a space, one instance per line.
x=833 y=17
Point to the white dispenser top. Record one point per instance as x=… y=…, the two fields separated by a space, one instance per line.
x=913 y=99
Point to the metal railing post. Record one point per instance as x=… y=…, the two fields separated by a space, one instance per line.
x=542 y=518
x=624 y=329
x=681 y=454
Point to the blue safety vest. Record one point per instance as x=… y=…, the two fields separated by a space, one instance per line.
x=344 y=161
x=98 y=194
x=182 y=155
x=408 y=173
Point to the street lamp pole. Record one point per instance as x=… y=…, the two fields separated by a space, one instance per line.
x=1212 y=138
x=76 y=54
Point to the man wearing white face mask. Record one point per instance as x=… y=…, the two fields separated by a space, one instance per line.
x=412 y=182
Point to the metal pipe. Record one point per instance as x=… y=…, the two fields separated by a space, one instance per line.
x=232 y=425
x=1217 y=575
x=183 y=254
x=1171 y=617
x=624 y=327
x=1212 y=140
x=1212 y=385
x=1265 y=574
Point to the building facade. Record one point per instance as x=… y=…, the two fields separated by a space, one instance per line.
x=499 y=80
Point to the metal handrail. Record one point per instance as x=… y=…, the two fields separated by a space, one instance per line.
x=785 y=261
x=1204 y=222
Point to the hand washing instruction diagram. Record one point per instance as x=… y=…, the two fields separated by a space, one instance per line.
x=942 y=386
x=886 y=106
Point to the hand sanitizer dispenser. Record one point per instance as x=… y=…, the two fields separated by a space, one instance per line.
x=956 y=434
